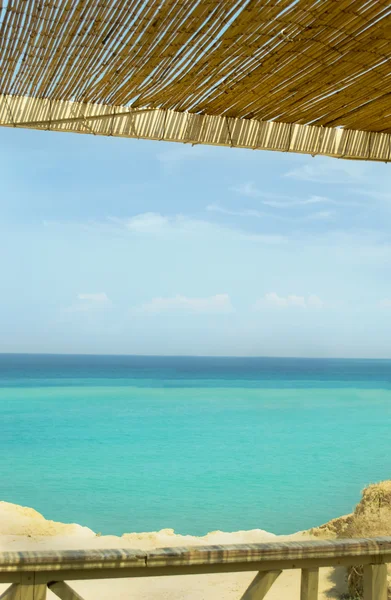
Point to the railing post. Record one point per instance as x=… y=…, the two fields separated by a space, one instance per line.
x=30 y=590
x=375 y=582
x=27 y=589
x=309 y=584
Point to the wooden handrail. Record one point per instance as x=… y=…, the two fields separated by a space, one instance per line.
x=31 y=573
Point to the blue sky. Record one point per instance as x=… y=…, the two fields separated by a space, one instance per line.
x=134 y=247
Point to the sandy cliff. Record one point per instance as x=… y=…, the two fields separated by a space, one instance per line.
x=25 y=529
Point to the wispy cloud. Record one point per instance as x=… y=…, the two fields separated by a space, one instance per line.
x=249 y=190
x=374 y=194
x=323 y=215
x=236 y=213
x=99 y=298
x=171 y=225
x=297 y=202
x=327 y=171
x=89 y=302
x=314 y=216
x=150 y=223
x=218 y=304
x=272 y=299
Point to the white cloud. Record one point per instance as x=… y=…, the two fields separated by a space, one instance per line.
x=386 y=303
x=170 y=225
x=89 y=302
x=275 y=300
x=218 y=304
x=327 y=171
x=99 y=297
x=272 y=299
x=315 y=302
x=323 y=215
x=150 y=223
x=247 y=189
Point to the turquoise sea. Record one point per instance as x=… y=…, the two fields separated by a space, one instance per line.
x=124 y=444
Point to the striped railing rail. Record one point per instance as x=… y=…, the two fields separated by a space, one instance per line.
x=31 y=574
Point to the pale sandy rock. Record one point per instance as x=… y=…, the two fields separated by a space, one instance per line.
x=168 y=537
x=20 y=520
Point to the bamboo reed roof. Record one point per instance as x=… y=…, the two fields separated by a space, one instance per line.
x=303 y=75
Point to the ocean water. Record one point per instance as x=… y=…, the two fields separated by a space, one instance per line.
x=125 y=444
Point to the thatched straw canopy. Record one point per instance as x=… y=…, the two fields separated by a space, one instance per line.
x=307 y=76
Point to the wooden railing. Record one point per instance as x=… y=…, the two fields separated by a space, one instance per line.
x=32 y=573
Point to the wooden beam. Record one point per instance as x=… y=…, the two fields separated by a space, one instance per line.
x=375 y=582
x=64 y=591
x=309 y=584
x=66 y=565
x=11 y=593
x=260 y=585
x=191 y=128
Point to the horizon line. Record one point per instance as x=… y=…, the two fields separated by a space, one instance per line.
x=244 y=357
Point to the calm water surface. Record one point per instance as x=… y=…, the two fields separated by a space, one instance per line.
x=126 y=444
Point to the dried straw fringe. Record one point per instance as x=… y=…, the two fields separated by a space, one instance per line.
x=312 y=62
